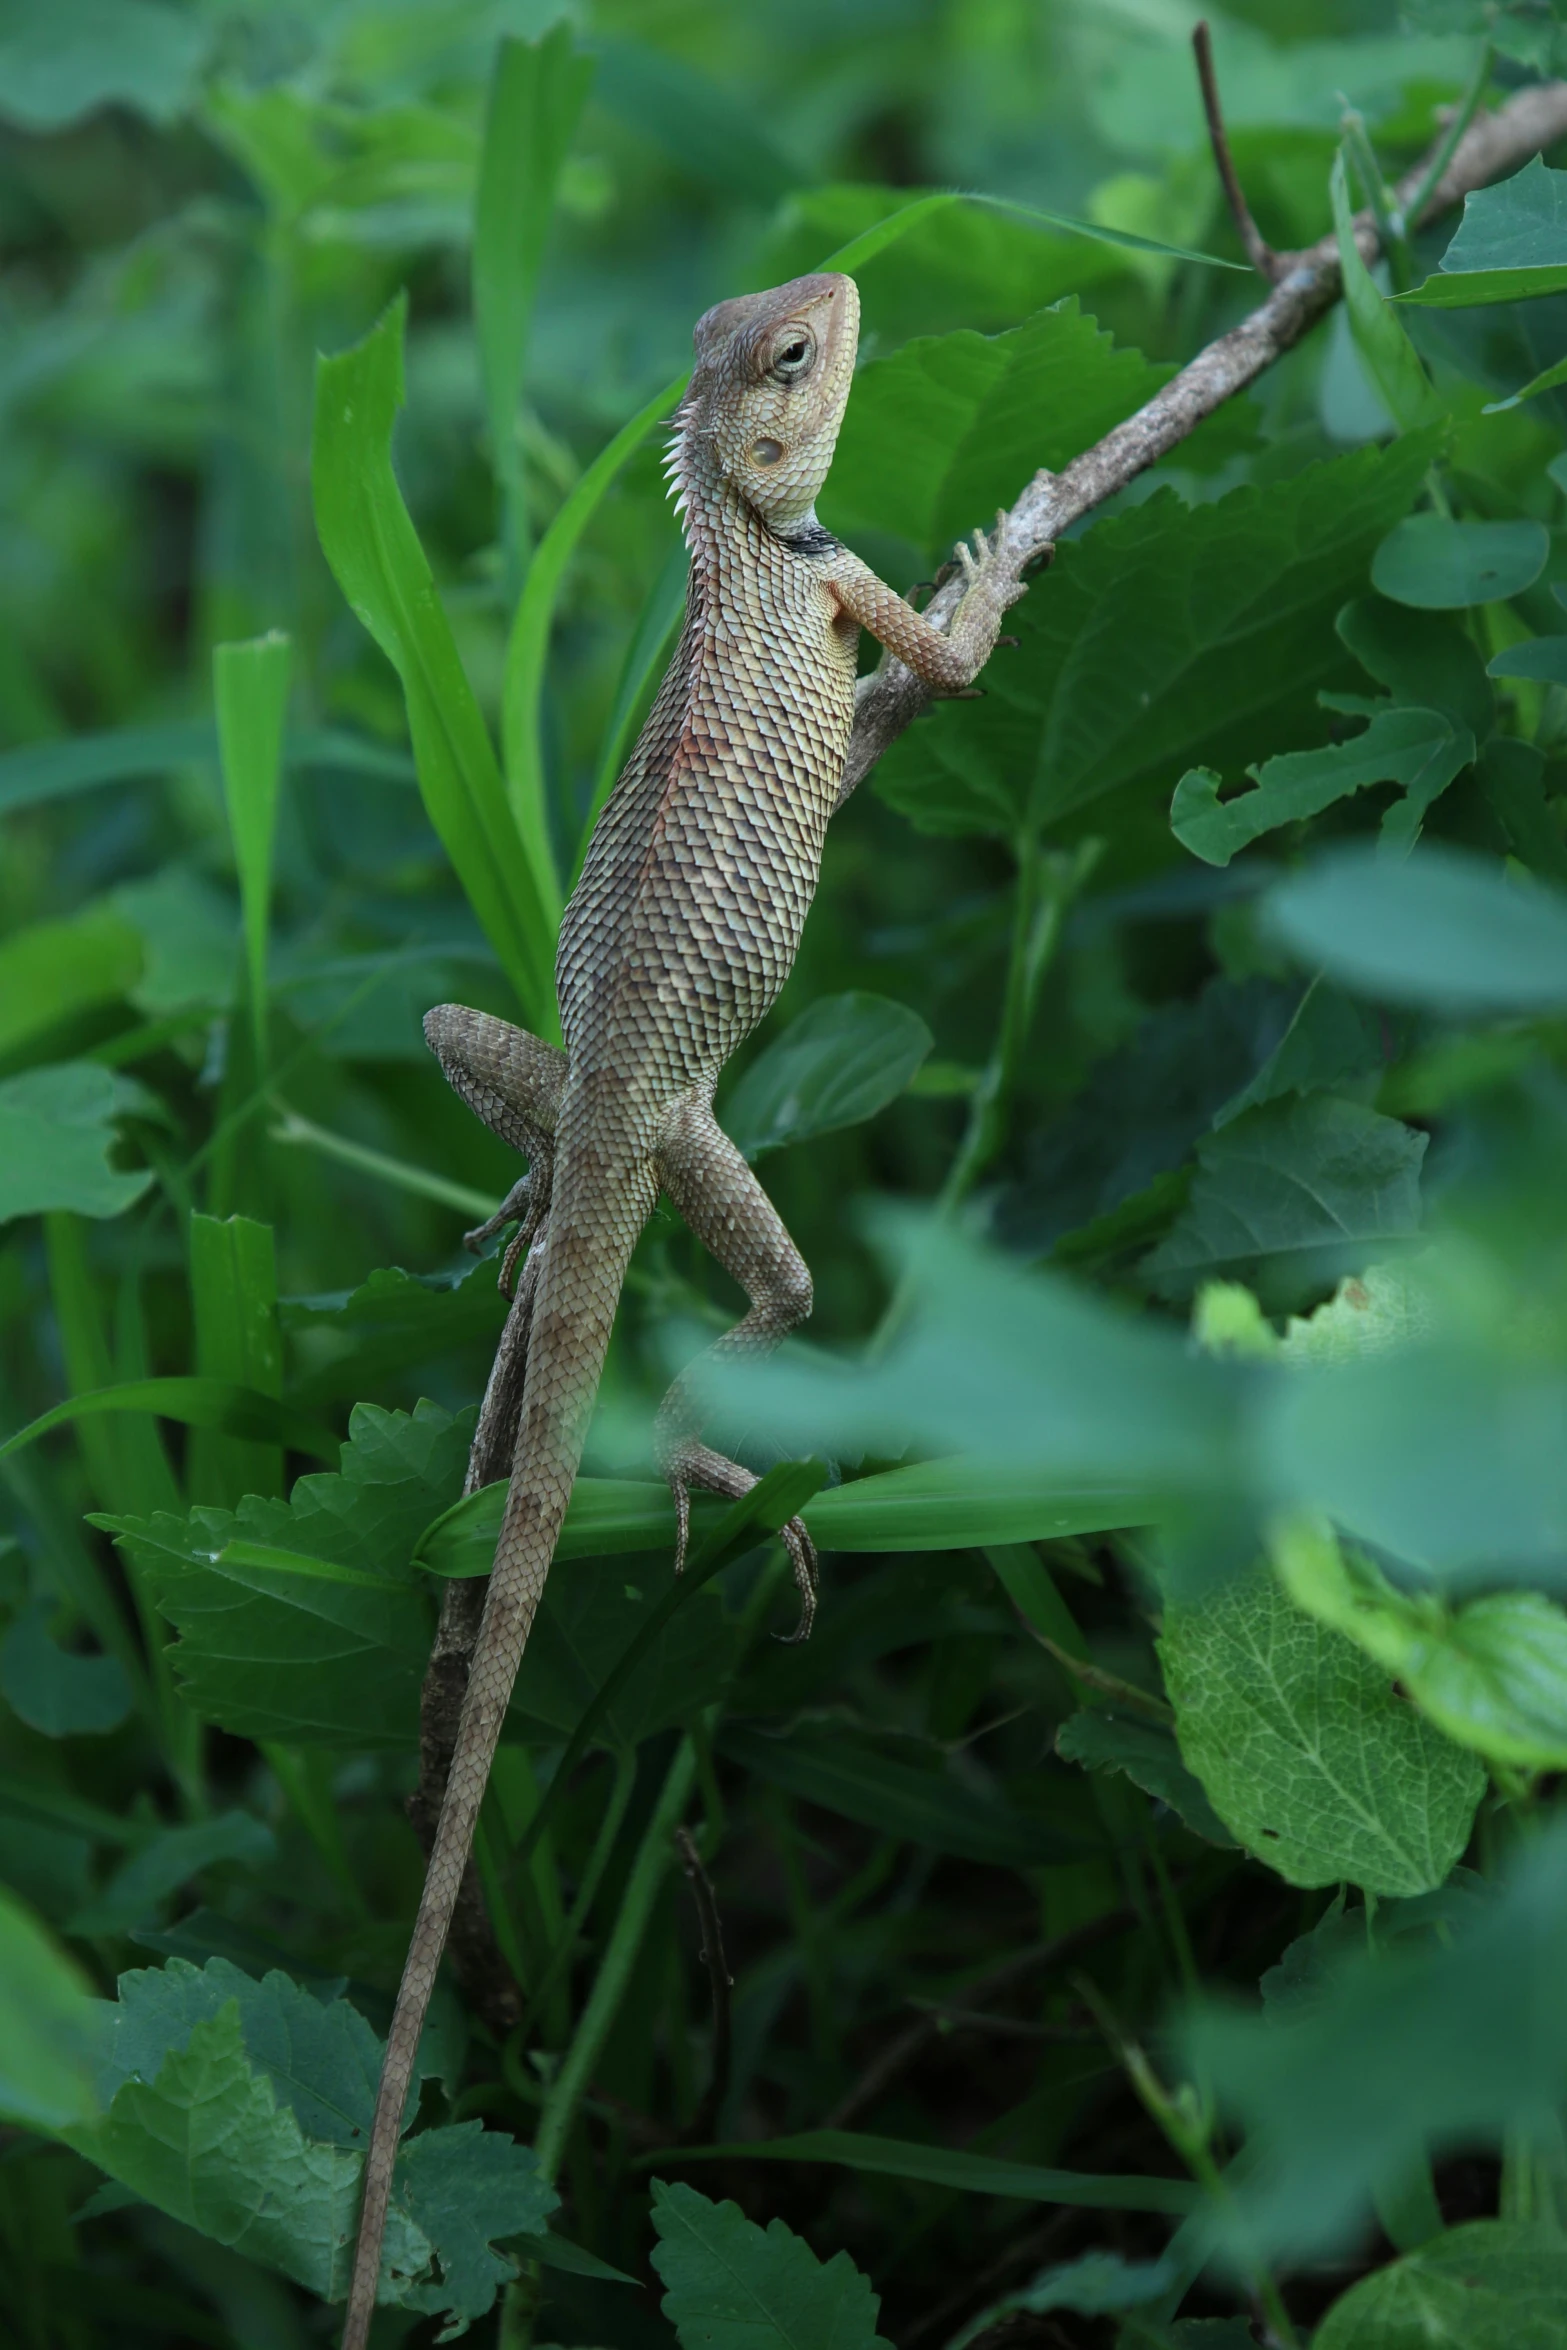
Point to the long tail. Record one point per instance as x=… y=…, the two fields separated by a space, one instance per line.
x=603 y=1195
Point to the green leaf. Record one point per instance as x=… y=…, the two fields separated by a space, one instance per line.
x=1442 y=929
x=1329 y=1042
x=1305 y=1751
x=1097 y=2284
x=840 y=1062
x=1418 y=749
x=955 y=2166
x=250 y=686
x=374 y=551
x=945 y=430
x=1510 y=246
x=394 y=1321
x=1164 y=633
x=729 y=2286
x=1542 y=657
x=195 y=1403
x=139 y=1887
x=52 y=1691
x=1439 y=565
x=233 y=1288
x=850 y=1773
x=587 y=1619
x=59 y=767
x=702 y=123
x=1150 y=1758
x=1546 y=381
x=56 y=1133
x=1285 y=1192
x=303 y=1621
x=46 y=2016
x=1489 y=2285
x=83 y=54
x=536 y=94
x=1424 y=661
x=1369 y=1314
x=1391 y=358
x=465 y=2187
x=52 y=971
x=1491 y=1674
x=1348 y=2099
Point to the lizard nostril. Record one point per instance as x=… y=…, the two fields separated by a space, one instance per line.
x=767 y=452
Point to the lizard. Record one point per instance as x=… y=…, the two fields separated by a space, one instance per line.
x=676 y=941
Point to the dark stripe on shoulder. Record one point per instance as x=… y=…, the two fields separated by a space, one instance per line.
x=810 y=539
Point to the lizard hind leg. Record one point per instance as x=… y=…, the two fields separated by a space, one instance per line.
x=732 y=1216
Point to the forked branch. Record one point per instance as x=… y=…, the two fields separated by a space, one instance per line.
x=1259 y=252
x=1312 y=282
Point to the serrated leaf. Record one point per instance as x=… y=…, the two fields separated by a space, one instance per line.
x=730 y=2286
x=1150 y=1758
x=945 y=430
x=392 y=1322
x=844 y=1059
x=1285 y=1193
x=1304 y=1749
x=1418 y=749
x=1330 y=1041
x=1163 y=635
x=1492 y=2284
x=465 y=2187
x=1510 y=246
x=56 y=1132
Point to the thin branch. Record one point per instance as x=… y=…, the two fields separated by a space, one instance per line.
x=900 y=2055
x=1259 y=252
x=1494 y=144
x=720 y=1982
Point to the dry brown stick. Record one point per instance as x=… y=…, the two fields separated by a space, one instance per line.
x=1494 y=144
x=1259 y=252
x=900 y=2054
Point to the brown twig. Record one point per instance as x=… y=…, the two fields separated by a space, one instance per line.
x=1259 y=252
x=720 y=1982
x=900 y=2055
x=1493 y=144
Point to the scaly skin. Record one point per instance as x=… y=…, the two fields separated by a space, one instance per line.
x=676 y=942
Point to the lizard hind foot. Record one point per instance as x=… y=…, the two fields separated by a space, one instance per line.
x=697 y=1465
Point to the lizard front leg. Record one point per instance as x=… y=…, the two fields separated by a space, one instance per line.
x=948 y=659
x=513 y=1081
x=732 y=1216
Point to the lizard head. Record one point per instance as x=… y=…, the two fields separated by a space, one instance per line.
x=768 y=394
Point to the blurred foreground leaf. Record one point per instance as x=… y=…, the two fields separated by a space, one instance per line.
x=1490 y=2285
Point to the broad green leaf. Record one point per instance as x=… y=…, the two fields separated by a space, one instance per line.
x=139 y=1887
x=303 y=1621
x=945 y=430
x=1148 y=98
x=55 y=1692
x=57 y=1128
x=840 y=1062
x=1305 y=1750
x=391 y=1322
x=1423 y=660
x=1011 y=1367
x=142 y=54
x=1371 y=1313
x=46 y=2017
x=703 y=123
x=250 y=687
x=243 y=2108
x=374 y=551
x=59 y=767
x=1150 y=1758
x=955 y=2166
x=1285 y=1193
x=1511 y=244
x=1542 y=657
x=1491 y=2284
x=190 y=938
x=535 y=97
x=730 y=2286
x=52 y=971
x=849 y=1773
x=1439 y=565
x=233 y=1288
x=1330 y=1041
x=1343 y=2102
x=1444 y=930
x=1164 y=633
x=1419 y=749
x=1491 y=1673
x=588 y=1617
x=1390 y=357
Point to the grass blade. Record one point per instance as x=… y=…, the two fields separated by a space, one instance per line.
x=250 y=688
x=233 y=1286
x=374 y=550
x=951 y=2166
x=195 y=1403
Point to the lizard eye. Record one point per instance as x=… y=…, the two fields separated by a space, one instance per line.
x=794 y=359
